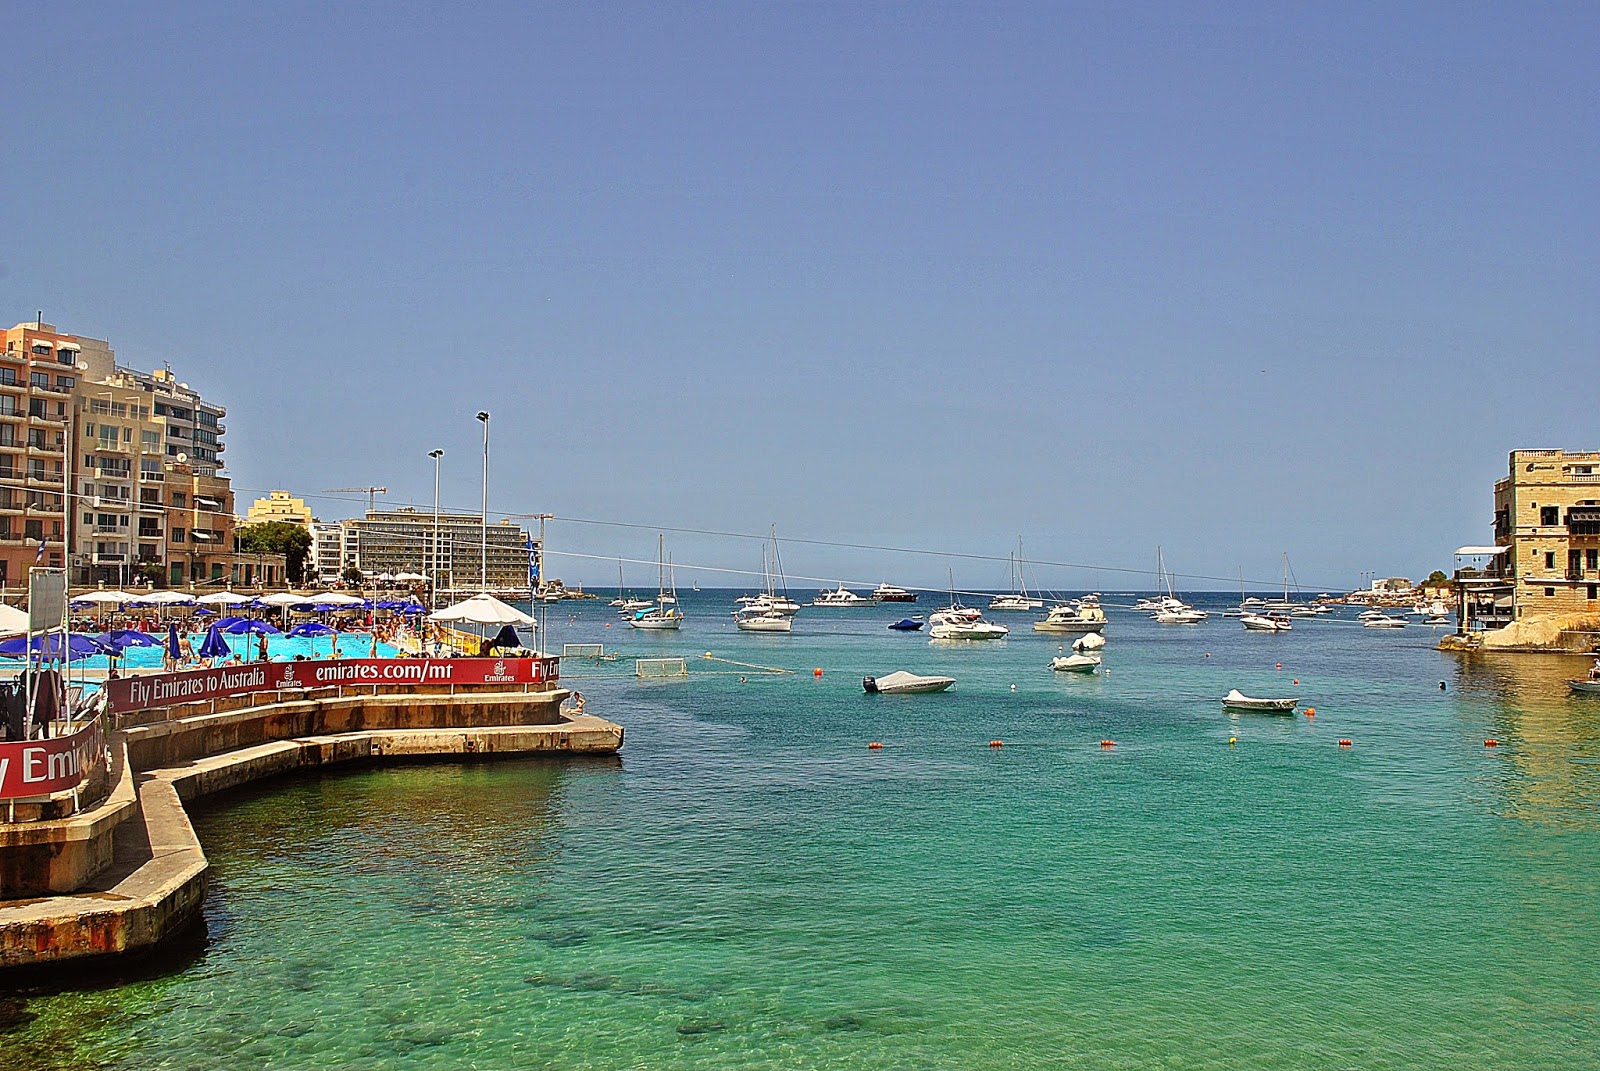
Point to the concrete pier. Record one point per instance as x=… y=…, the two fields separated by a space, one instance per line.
x=124 y=876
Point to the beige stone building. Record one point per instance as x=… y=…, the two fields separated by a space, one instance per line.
x=1547 y=511
x=279 y=506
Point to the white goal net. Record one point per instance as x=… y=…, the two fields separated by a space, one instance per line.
x=660 y=667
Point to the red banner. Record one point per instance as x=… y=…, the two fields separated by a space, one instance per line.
x=169 y=689
x=40 y=767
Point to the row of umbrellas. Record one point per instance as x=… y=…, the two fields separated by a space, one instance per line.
x=479 y=610
x=81 y=645
x=325 y=601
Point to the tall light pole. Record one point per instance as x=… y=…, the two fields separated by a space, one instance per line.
x=483 y=415
x=433 y=588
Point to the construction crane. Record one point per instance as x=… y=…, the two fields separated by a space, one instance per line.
x=370 y=492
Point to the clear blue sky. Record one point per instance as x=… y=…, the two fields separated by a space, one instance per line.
x=1108 y=276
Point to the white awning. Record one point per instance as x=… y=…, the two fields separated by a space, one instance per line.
x=68 y=346
x=204 y=537
x=1470 y=551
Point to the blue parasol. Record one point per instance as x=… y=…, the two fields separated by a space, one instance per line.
x=413 y=608
x=79 y=645
x=214 y=646
x=311 y=628
x=128 y=637
x=245 y=626
x=173 y=651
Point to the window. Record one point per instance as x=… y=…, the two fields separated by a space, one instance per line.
x=39 y=380
x=36 y=408
x=66 y=383
x=8 y=405
x=150 y=440
x=177 y=535
x=8 y=435
x=33 y=530
x=1549 y=559
x=8 y=376
x=1549 y=515
x=67 y=357
x=1549 y=593
x=1591 y=558
x=180 y=500
x=41 y=346
x=1592 y=591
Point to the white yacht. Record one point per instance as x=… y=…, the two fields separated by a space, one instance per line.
x=1084 y=615
x=752 y=620
x=1276 y=621
x=963 y=626
x=1384 y=621
x=887 y=592
x=665 y=613
x=772 y=598
x=842 y=597
x=1018 y=598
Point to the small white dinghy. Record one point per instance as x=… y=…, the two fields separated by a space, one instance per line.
x=1588 y=687
x=1093 y=641
x=902 y=683
x=1077 y=663
x=1237 y=700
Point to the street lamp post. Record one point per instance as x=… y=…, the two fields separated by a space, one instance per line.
x=434 y=587
x=483 y=416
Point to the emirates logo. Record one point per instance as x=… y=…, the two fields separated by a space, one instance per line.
x=500 y=668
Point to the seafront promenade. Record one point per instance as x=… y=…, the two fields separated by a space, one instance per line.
x=112 y=867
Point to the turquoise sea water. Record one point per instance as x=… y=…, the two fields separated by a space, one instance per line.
x=280 y=648
x=749 y=886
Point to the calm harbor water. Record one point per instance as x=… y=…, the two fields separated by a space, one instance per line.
x=749 y=886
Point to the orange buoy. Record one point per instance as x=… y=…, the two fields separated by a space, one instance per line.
x=1296 y=680
x=817 y=672
x=1491 y=743
x=1311 y=712
x=875 y=746
x=1347 y=743
x=1108 y=743
x=997 y=743
x=608 y=624
x=1280 y=665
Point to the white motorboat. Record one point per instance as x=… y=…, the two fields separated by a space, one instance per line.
x=1237 y=700
x=752 y=620
x=1384 y=621
x=1083 y=616
x=1273 y=622
x=1186 y=615
x=1092 y=642
x=1076 y=663
x=628 y=606
x=961 y=626
x=887 y=592
x=902 y=683
x=1587 y=687
x=842 y=597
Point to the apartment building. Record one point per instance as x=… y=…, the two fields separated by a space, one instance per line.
x=1547 y=513
x=200 y=526
x=119 y=465
x=402 y=540
x=39 y=371
x=193 y=428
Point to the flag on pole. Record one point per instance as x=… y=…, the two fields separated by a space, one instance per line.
x=533 y=566
x=39 y=557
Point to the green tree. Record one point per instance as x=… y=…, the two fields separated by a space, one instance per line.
x=1436 y=577
x=352 y=577
x=278 y=537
